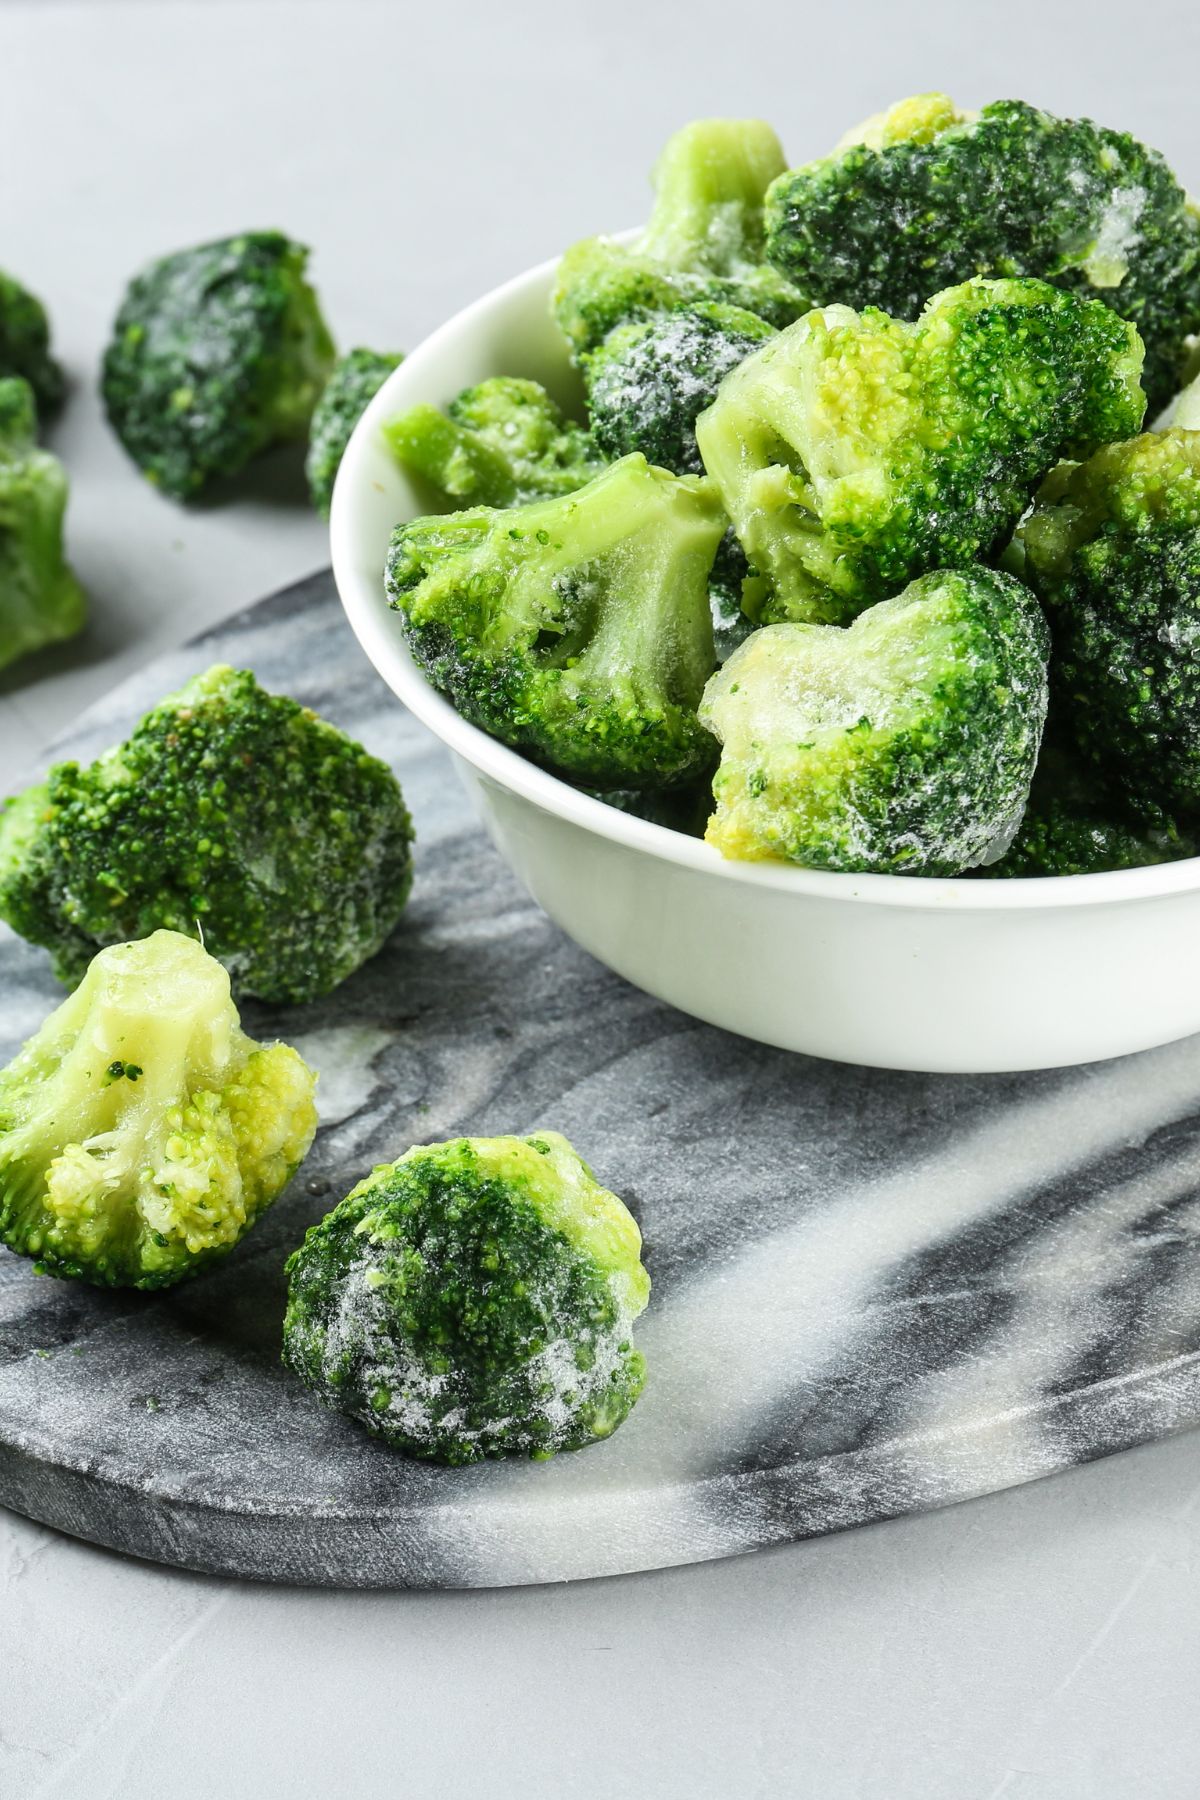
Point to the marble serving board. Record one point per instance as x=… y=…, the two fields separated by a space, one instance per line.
x=873 y=1292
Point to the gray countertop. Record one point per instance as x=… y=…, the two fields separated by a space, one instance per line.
x=1038 y=1644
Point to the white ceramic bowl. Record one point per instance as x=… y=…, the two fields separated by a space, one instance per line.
x=904 y=973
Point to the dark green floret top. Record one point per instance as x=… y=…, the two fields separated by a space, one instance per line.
x=502 y=443
x=217 y=353
x=25 y=344
x=356 y=379
x=230 y=812
x=474 y=1299
x=40 y=600
x=1073 y=826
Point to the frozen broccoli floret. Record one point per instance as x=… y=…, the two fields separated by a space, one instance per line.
x=142 y=1133
x=902 y=745
x=231 y=813
x=40 y=600
x=1184 y=411
x=930 y=196
x=577 y=630
x=649 y=381
x=503 y=443
x=704 y=241
x=356 y=379
x=1113 y=549
x=732 y=587
x=217 y=353
x=684 y=810
x=1072 y=826
x=25 y=344
x=473 y=1299
x=854 y=451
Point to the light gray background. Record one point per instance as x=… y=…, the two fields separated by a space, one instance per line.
x=1040 y=1645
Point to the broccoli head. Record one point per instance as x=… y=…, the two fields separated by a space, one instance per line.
x=577 y=630
x=25 y=344
x=1073 y=826
x=854 y=451
x=230 y=812
x=704 y=241
x=217 y=353
x=1113 y=549
x=473 y=1299
x=356 y=379
x=928 y=197
x=734 y=591
x=503 y=443
x=40 y=600
x=903 y=745
x=649 y=381
x=142 y=1132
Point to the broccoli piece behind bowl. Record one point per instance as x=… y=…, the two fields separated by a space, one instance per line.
x=472 y=1300
x=230 y=812
x=25 y=344
x=502 y=443
x=142 y=1133
x=855 y=451
x=354 y=382
x=904 y=744
x=40 y=600
x=577 y=630
x=217 y=353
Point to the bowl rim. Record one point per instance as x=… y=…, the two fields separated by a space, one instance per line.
x=375 y=628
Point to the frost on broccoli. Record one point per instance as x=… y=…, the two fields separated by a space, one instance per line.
x=25 y=344
x=854 y=451
x=904 y=744
x=577 y=630
x=40 y=600
x=356 y=379
x=704 y=241
x=925 y=197
x=502 y=443
x=1073 y=826
x=142 y=1133
x=230 y=812
x=217 y=353
x=472 y=1300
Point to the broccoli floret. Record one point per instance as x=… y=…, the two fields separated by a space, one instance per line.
x=902 y=745
x=40 y=600
x=930 y=196
x=25 y=344
x=1113 y=549
x=356 y=379
x=577 y=630
x=1072 y=826
x=473 y=1299
x=503 y=443
x=142 y=1132
x=230 y=812
x=1184 y=410
x=684 y=810
x=650 y=380
x=732 y=587
x=217 y=353
x=704 y=241
x=854 y=451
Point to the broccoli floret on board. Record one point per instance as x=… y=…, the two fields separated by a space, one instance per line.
x=25 y=344
x=40 y=600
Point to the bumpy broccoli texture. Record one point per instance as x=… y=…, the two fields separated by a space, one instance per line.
x=855 y=451
x=217 y=353
x=577 y=630
x=1073 y=826
x=40 y=600
x=356 y=379
x=142 y=1132
x=25 y=343
x=472 y=1300
x=502 y=443
x=928 y=197
x=904 y=744
x=230 y=812
x=704 y=241
x=1113 y=549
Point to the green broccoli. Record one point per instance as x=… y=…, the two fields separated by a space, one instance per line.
x=854 y=451
x=356 y=379
x=1184 y=410
x=1073 y=827
x=142 y=1133
x=217 y=353
x=473 y=1299
x=577 y=630
x=25 y=344
x=928 y=197
x=649 y=381
x=503 y=443
x=732 y=588
x=230 y=813
x=704 y=241
x=40 y=600
x=902 y=745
